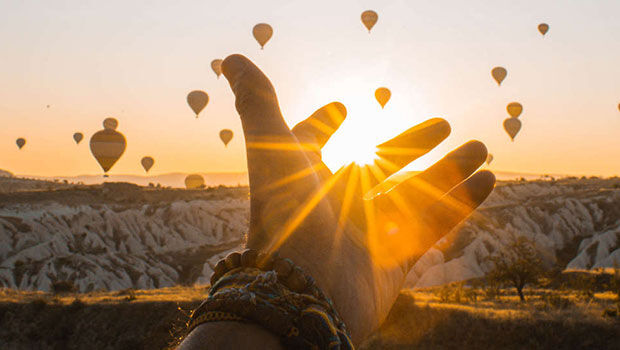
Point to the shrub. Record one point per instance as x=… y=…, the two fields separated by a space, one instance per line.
x=77 y=304
x=585 y=285
x=491 y=289
x=129 y=292
x=517 y=264
x=471 y=295
x=556 y=301
x=62 y=287
x=38 y=304
x=456 y=293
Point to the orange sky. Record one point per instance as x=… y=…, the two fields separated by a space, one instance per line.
x=136 y=61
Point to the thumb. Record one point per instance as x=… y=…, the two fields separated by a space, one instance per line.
x=255 y=98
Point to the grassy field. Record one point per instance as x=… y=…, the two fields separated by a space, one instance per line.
x=452 y=317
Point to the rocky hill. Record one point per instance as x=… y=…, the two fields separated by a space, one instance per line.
x=575 y=224
x=118 y=236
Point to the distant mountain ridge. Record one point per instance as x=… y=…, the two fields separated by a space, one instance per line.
x=176 y=180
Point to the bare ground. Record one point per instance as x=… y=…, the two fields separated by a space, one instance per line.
x=154 y=319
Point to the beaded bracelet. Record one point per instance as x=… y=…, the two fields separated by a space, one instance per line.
x=275 y=293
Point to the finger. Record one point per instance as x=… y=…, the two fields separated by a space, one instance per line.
x=457 y=205
x=319 y=127
x=410 y=145
x=255 y=98
x=436 y=181
x=405 y=239
x=274 y=155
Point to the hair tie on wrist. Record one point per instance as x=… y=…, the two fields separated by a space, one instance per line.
x=275 y=293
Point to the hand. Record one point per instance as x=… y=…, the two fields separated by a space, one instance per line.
x=354 y=232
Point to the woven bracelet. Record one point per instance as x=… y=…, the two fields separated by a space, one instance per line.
x=273 y=292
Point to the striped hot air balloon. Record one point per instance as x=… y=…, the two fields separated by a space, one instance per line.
x=107 y=146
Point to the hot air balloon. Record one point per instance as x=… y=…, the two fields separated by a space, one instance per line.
x=262 y=33
x=226 y=135
x=20 y=142
x=383 y=95
x=489 y=158
x=197 y=100
x=147 y=163
x=194 y=181
x=543 y=28
x=216 y=65
x=499 y=74
x=369 y=18
x=514 y=109
x=78 y=136
x=512 y=127
x=107 y=146
x=110 y=124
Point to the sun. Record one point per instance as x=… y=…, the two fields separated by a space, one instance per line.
x=341 y=151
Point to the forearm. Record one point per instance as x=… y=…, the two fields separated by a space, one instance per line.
x=230 y=335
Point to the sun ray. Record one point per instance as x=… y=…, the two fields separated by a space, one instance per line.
x=432 y=193
x=352 y=183
x=282 y=146
x=298 y=217
x=378 y=175
x=308 y=171
x=369 y=209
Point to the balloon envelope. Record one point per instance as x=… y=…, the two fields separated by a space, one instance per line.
x=226 y=135
x=193 y=181
x=543 y=28
x=383 y=95
x=262 y=33
x=512 y=127
x=499 y=74
x=110 y=123
x=147 y=163
x=107 y=146
x=197 y=101
x=216 y=65
x=77 y=137
x=369 y=18
x=514 y=109
x=20 y=142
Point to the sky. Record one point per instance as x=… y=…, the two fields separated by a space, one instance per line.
x=137 y=60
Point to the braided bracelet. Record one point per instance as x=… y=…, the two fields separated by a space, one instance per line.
x=275 y=293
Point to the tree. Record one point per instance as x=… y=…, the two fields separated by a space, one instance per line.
x=517 y=264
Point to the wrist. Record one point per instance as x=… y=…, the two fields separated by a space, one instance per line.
x=230 y=335
x=274 y=293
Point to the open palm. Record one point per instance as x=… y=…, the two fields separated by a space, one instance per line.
x=357 y=232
